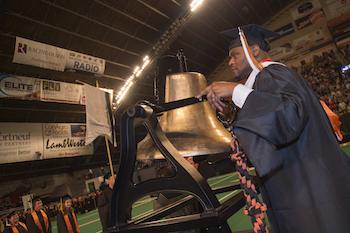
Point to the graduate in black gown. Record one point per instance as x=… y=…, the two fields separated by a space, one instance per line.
x=304 y=176
x=104 y=201
x=38 y=220
x=15 y=225
x=66 y=219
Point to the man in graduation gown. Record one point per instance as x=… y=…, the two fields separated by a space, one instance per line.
x=304 y=177
x=104 y=201
x=38 y=220
x=15 y=225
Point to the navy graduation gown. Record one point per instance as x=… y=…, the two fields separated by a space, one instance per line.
x=304 y=175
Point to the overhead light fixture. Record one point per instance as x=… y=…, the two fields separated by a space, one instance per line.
x=195 y=4
x=137 y=72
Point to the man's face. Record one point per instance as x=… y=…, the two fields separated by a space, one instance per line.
x=111 y=181
x=38 y=205
x=239 y=63
x=14 y=219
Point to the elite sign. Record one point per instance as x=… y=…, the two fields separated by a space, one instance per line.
x=19 y=86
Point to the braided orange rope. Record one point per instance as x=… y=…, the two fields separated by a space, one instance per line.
x=254 y=207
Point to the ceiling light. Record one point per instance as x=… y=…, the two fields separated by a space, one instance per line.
x=195 y=4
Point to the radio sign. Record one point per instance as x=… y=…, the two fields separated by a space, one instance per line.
x=88 y=65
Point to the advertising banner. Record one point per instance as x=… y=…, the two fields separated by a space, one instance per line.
x=308 y=40
x=339 y=6
x=281 y=51
x=20 y=142
x=53 y=91
x=33 y=53
x=311 y=19
x=84 y=64
x=307 y=51
x=283 y=31
x=65 y=140
x=19 y=87
x=305 y=8
x=46 y=56
x=339 y=20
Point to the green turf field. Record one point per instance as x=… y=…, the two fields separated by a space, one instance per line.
x=90 y=222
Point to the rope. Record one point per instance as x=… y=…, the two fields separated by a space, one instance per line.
x=255 y=209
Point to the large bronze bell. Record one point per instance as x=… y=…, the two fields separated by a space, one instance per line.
x=193 y=130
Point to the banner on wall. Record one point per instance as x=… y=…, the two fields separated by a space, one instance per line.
x=53 y=91
x=33 y=53
x=339 y=6
x=340 y=27
x=283 y=31
x=46 y=56
x=339 y=20
x=19 y=87
x=280 y=51
x=308 y=40
x=305 y=8
x=20 y=142
x=65 y=140
x=84 y=64
x=310 y=19
x=309 y=50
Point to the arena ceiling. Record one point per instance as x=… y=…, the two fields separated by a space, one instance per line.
x=122 y=32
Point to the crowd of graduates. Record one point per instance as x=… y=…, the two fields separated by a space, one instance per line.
x=328 y=81
x=53 y=211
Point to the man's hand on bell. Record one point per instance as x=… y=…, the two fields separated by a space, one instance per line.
x=216 y=91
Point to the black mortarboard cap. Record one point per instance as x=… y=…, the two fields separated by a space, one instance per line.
x=35 y=199
x=254 y=34
x=66 y=197
x=11 y=214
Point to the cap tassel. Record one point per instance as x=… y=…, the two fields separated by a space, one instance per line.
x=254 y=64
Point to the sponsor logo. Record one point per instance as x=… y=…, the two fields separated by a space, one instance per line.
x=52 y=86
x=37 y=155
x=14 y=137
x=78 y=130
x=66 y=143
x=12 y=86
x=56 y=130
x=22 y=48
x=305 y=7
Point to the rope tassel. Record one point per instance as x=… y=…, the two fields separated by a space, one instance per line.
x=254 y=207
